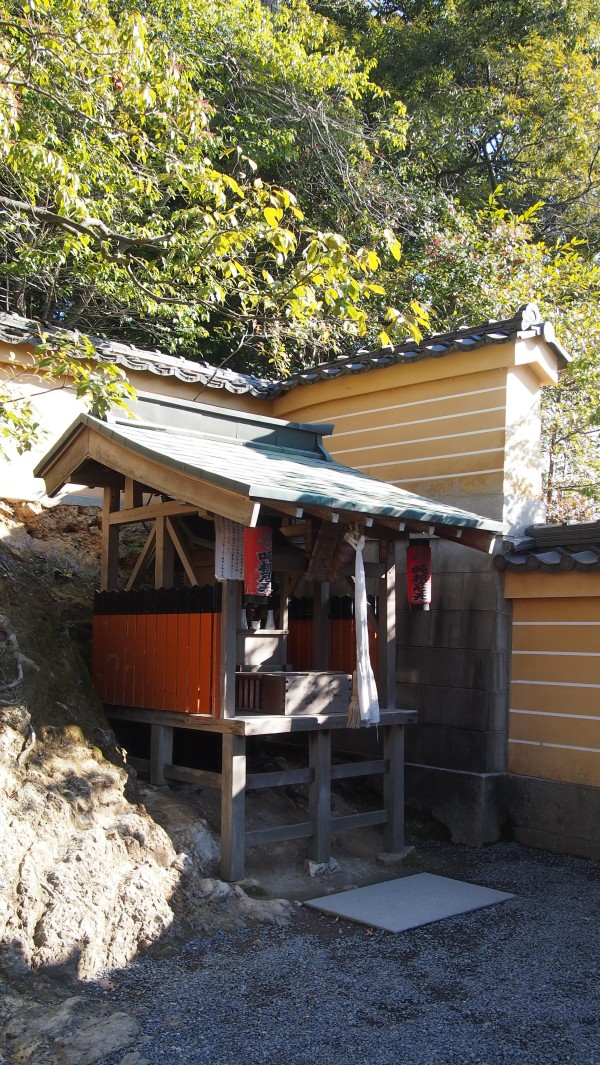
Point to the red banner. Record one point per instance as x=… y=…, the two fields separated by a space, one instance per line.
x=418 y=573
x=258 y=560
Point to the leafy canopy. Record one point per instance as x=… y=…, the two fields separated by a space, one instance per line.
x=129 y=202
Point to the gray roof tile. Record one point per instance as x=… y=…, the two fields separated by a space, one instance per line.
x=554 y=549
x=527 y=322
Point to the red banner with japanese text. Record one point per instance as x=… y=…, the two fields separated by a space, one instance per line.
x=258 y=560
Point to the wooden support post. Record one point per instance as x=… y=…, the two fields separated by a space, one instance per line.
x=320 y=625
x=109 y=560
x=284 y=622
x=319 y=794
x=233 y=806
x=161 y=752
x=163 y=558
x=230 y=615
x=386 y=644
x=393 y=787
x=132 y=495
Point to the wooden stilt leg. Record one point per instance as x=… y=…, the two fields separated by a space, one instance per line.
x=161 y=752
x=319 y=797
x=233 y=802
x=393 y=787
x=230 y=615
x=109 y=559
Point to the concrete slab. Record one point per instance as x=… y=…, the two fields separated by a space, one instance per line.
x=408 y=902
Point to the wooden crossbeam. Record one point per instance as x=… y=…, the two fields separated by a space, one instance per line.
x=279 y=833
x=200 y=777
x=142 y=560
x=169 y=509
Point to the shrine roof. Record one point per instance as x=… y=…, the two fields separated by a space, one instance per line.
x=258 y=460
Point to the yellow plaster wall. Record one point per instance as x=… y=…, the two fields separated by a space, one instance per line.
x=442 y=427
x=426 y=428
x=554 y=722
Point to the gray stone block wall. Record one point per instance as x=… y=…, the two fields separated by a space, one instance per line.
x=470 y=805
x=559 y=817
x=453 y=668
x=453 y=664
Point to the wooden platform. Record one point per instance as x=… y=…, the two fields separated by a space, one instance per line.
x=233 y=781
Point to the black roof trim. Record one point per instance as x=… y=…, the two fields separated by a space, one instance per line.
x=527 y=322
x=554 y=549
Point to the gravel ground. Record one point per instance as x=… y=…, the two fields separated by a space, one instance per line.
x=517 y=982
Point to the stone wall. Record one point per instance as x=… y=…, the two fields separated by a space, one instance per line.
x=454 y=669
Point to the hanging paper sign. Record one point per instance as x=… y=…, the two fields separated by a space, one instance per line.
x=229 y=549
x=258 y=560
x=418 y=572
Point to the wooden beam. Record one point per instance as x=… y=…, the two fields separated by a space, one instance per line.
x=324 y=551
x=386 y=642
x=200 y=777
x=359 y=769
x=142 y=559
x=181 y=550
x=109 y=557
x=154 y=510
x=284 y=601
x=95 y=475
x=194 y=722
x=363 y=820
x=132 y=494
x=299 y=529
x=60 y=471
x=289 y=509
x=278 y=778
x=279 y=833
x=163 y=556
x=230 y=614
x=347 y=517
x=233 y=807
x=250 y=724
x=319 y=794
x=479 y=539
x=393 y=788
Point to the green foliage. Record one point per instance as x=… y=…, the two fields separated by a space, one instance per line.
x=147 y=150
x=127 y=206
x=496 y=93
x=501 y=100
x=483 y=266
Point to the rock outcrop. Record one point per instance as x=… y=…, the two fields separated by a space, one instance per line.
x=87 y=876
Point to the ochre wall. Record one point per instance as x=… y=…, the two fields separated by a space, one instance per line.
x=438 y=427
x=554 y=719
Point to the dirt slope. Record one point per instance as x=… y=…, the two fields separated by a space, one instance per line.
x=87 y=877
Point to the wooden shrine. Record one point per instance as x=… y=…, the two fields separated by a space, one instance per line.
x=175 y=649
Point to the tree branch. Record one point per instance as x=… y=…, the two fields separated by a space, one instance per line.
x=92 y=227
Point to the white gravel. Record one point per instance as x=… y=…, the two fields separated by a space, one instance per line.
x=517 y=982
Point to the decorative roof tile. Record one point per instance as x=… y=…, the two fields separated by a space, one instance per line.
x=554 y=549
x=526 y=323
x=17 y=330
